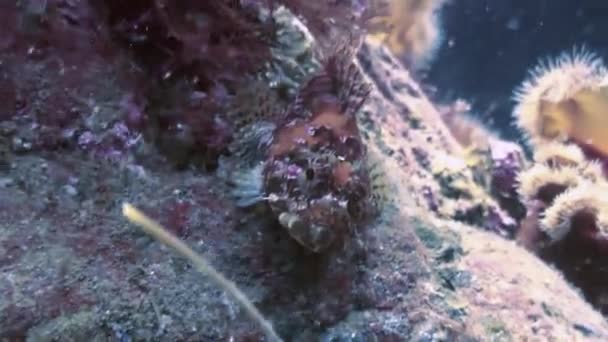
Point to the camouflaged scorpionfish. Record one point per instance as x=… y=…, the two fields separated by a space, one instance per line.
x=309 y=162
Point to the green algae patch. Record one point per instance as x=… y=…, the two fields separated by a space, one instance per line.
x=496 y=330
x=427 y=236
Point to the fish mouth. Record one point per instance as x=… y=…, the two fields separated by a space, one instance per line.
x=315 y=237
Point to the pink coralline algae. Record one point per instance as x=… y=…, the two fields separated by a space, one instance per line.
x=113 y=145
x=200 y=54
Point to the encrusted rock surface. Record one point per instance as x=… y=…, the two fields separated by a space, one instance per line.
x=495 y=288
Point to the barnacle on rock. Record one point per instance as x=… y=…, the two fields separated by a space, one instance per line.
x=466 y=198
x=293 y=55
x=494 y=162
x=327 y=20
x=583 y=207
x=565 y=100
x=453 y=175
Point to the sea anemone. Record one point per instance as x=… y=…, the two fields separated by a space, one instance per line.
x=556 y=153
x=565 y=100
x=583 y=207
x=541 y=182
x=573 y=236
x=566 y=223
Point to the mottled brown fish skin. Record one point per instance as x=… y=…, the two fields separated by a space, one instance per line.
x=315 y=176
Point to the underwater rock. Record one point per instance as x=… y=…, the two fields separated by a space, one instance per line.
x=198 y=56
x=482 y=254
x=493 y=163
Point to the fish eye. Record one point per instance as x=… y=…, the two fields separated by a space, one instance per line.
x=310 y=174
